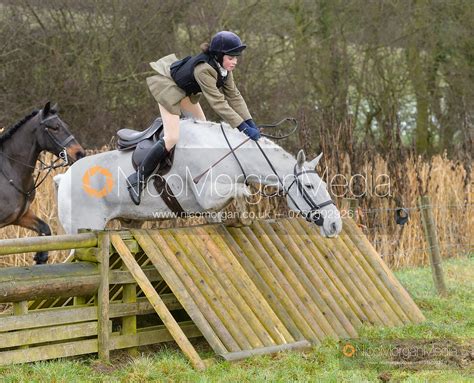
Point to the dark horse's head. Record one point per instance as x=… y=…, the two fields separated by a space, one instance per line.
x=53 y=135
x=20 y=147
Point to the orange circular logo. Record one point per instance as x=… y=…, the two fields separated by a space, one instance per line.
x=348 y=350
x=86 y=182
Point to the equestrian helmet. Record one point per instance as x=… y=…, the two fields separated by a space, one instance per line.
x=227 y=43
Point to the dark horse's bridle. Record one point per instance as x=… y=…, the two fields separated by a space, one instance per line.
x=61 y=145
x=314 y=213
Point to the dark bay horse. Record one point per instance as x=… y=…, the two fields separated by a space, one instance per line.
x=20 y=146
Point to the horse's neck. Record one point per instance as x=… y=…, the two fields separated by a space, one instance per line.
x=260 y=170
x=253 y=162
x=22 y=150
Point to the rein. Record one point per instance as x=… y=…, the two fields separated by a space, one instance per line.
x=280 y=137
x=37 y=183
x=314 y=214
x=232 y=150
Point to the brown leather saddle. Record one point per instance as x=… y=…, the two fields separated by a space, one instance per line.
x=141 y=143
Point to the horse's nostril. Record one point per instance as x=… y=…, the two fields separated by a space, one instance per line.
x=80 y=155
x=334 y=227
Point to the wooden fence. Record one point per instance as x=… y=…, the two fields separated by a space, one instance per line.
x=272 y=286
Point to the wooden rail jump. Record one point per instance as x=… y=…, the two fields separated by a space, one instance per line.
x=272 y=286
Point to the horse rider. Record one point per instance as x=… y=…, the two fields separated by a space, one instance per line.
x=179 y=85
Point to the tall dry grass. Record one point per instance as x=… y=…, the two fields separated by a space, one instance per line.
x=399 y=246
x=451 y=202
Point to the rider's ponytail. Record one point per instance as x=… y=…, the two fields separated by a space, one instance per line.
x=205 y=47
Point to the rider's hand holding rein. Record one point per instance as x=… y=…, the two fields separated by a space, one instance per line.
x=252 y=131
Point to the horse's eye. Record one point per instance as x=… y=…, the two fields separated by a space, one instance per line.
x=53 y=127
x=309 y=186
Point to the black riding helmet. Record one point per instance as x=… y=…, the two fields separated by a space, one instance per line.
x=226 y=43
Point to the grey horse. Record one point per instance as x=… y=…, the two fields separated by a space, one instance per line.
x=20 y=146
x=94 y=190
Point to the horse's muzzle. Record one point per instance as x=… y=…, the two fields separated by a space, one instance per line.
x=75 y=152
x=80 y=154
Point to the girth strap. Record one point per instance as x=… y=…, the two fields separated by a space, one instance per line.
x=167 y=195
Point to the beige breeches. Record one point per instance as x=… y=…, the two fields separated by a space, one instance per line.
x=171 y=121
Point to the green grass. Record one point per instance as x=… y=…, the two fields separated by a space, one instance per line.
x=450 y=322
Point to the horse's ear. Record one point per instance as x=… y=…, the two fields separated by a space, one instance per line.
x=46 y=109
x=314 y=163
x=300 y=158
x=55 y=108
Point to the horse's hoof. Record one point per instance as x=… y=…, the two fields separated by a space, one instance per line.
x=41 y=257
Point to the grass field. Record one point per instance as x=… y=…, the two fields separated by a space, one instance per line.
x=438 y=350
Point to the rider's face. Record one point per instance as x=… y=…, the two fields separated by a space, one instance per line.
x=229 y=62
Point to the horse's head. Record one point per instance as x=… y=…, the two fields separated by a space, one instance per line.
x=307 y=193
x=54 y=136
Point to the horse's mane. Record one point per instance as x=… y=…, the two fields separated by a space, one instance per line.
x=12 y=129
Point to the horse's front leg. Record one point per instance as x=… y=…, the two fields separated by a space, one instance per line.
x=30 y=221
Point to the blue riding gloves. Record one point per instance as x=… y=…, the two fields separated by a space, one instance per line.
x=251 y=123
x=252 y=132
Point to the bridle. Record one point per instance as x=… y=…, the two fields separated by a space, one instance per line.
x=314 y=213
x=61 y=145
x=62 y=156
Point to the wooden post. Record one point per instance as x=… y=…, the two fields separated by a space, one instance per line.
x=77 y=301
x=431 y=236
x=20 y=308
x=103 y=297
x=129 y=323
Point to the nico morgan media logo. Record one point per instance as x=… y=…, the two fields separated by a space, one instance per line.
x=97 y=171
x=348 y=350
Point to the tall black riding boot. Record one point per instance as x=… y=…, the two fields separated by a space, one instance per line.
x=136 y=181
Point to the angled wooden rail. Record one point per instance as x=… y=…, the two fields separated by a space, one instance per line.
x=157 y=302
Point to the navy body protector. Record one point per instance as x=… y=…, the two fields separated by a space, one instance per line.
x=182 y=72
